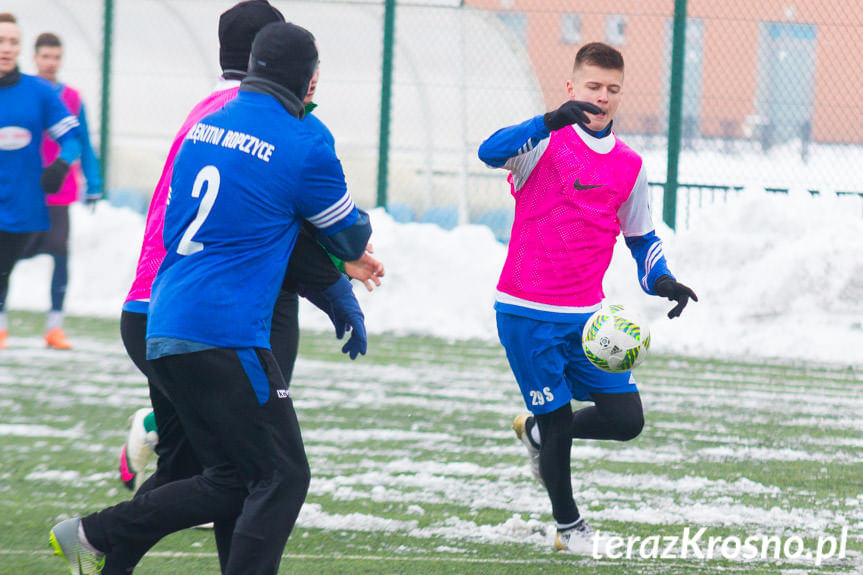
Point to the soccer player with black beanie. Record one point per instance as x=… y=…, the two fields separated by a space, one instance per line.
x=310 y=271
x=309 y=266
x=211 y=353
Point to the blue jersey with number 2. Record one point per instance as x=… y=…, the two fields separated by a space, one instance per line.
x=243 y=180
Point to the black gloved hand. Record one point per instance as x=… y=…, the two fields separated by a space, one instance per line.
x=572 y=112
x=54 y=175
x=668 y=288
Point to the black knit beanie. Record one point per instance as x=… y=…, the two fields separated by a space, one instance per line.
x=238 y=27
x=285 y=54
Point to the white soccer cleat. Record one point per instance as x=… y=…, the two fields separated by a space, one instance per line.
x=520 y=428
x=209 y=525
x=80 y=559
x=578 y=539
x=138 y=449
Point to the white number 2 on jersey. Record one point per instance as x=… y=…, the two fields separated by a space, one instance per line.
x=210 y=176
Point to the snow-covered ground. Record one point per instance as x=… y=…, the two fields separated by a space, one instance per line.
x=777 y=277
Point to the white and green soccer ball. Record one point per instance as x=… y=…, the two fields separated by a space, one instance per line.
x=615 y=339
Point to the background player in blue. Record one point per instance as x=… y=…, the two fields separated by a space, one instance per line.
x=48 y=58
x=244 y=179
x=28 y=107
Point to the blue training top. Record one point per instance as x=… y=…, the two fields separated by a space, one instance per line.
x=27 y=109
x=244 y=179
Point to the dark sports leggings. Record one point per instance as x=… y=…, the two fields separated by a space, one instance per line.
x=617 y=416
x=255 y=472
x=11 y=249
x=59 y=281
x=176 y=458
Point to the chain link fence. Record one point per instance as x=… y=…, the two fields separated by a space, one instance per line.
x=770 y=90
x=769 y=96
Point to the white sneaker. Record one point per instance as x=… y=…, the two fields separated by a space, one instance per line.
x=520 y=428
x=138 y=449
x=578 y=539
x=80 y=559
x=205 y=526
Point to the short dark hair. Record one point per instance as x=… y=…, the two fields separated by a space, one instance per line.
x=7 y=17
x=48 y=40
x=599 y=54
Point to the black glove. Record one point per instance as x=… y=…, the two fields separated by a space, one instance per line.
x=666 y=287
x=54 y=175
x=572 y=112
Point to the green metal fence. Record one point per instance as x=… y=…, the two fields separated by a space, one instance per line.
x=767 y=96
x=762 y=97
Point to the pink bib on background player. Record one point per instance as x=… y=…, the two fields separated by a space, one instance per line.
x=68 y=193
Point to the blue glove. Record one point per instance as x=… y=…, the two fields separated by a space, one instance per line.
x=340 y=304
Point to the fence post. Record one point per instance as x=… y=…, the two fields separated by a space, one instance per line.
x=675 y=109
x=105 y=108
x=386 y=97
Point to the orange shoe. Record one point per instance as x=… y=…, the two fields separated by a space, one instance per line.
x=4 y=333
x=56 y=338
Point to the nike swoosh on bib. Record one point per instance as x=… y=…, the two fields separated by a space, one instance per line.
x=578 y=186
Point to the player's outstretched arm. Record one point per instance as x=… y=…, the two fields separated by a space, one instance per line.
x=512 y=141
x=519 y=148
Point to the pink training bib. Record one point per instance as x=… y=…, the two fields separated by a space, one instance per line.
x=566 y=222
x=153 y=249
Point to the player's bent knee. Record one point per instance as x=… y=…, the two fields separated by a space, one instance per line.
x=623 y=414
x=630 y=427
